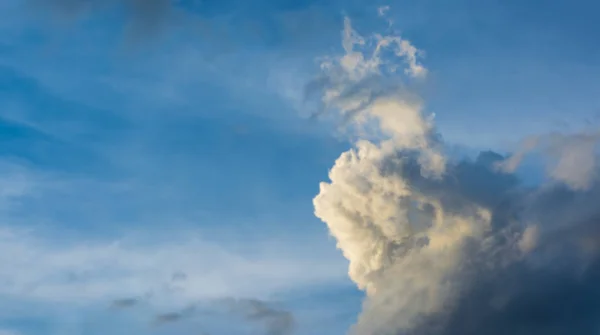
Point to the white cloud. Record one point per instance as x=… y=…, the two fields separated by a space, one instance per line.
x=427 y=237
x=358 y=64
x=367 y=205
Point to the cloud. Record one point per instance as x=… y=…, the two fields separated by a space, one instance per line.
x=91 y=272
x=146 y=11
x=144 y=16
x=275 y=321
x=444 y=246
x=150 y=274
x=50 y=267
x=271 y=318
x=124 y=303
x=382 y=11
x=570 y=158
x=351 y=81
x=174 y=316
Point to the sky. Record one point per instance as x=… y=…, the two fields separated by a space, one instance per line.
x=299 y=167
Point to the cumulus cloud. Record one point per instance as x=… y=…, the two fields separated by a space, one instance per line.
x=445 y=246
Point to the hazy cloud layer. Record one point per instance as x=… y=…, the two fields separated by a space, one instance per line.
x=121 y=273
x=91 y=272
x=453 y=247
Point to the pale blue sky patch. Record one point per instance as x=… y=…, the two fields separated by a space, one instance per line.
x=173 y=161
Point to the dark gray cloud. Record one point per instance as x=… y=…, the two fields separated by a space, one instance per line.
x=521 y=300
x=550 y=290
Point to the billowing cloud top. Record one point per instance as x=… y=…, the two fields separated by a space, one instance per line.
x=453 y=247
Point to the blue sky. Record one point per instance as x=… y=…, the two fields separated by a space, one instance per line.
x=133 y=149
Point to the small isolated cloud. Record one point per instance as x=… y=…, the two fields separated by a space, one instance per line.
x=453 y=247
x=383 y=10
x=124 y=303
x=172 y=317
x=167 y=318
x=275 y=321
